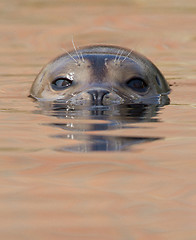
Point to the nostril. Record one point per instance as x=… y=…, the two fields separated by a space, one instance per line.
x=97 y=96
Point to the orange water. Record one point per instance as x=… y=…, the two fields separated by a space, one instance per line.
x=145 y=193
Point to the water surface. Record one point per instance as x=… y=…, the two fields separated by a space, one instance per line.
x=97 y=175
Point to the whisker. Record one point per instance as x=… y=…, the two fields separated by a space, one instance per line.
x=120 y=55
x=127 y=56
x=116 y=55
x=75 y=48
x=63 y=49
x=72 y=57
x=81 y=56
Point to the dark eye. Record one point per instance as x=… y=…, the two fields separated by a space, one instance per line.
x=61 y=83
x=137 y=84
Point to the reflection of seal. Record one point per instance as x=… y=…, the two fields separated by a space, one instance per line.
x=106 y=118
x=100 y=75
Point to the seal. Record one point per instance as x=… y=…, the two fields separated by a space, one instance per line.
x=100 y=75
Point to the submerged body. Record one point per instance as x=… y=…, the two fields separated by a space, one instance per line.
x=100 y=75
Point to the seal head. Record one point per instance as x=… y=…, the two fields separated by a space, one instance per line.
x=100 y=75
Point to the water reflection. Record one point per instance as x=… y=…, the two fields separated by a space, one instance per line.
x=102 y=143
x=102 y=118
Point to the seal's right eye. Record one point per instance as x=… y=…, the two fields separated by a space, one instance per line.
x=61 y=83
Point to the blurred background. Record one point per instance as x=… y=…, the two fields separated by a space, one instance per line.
x=141 y=194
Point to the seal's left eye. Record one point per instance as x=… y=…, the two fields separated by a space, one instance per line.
x=137 y=84
x=61 y=83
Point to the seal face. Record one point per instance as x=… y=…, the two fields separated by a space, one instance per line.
x=100 y=75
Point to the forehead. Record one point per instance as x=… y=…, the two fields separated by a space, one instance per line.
x=105 y=50
x=97 y=52
x=95 y=64
x=98 y=59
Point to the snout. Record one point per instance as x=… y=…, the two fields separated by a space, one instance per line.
x=96 y=97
